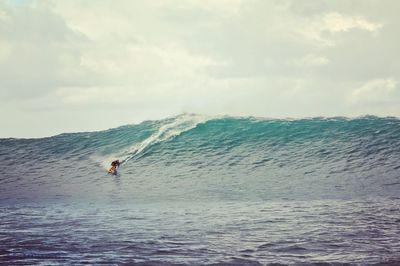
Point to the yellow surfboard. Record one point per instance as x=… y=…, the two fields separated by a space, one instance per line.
x=112 y=170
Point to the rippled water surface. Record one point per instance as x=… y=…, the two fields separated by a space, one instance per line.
x=203 y=233
x=194 y=190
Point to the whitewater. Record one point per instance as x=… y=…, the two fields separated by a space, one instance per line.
x=203 y=190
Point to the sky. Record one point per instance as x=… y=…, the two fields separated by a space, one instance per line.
x=82 y=65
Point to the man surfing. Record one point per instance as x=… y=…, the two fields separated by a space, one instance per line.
x=114 y=166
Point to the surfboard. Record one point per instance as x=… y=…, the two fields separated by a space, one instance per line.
x=112 y=170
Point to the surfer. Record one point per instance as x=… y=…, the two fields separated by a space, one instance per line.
x=114 y=165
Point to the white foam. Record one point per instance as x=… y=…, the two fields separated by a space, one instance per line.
x=167 y=131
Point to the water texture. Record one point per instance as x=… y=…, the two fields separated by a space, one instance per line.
x=197 y=190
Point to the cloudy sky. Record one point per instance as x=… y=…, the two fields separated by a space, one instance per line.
x=82 y=65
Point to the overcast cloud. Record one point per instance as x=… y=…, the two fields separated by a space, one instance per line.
x=68 y=66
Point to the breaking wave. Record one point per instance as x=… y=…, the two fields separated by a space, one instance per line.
x=197 y=157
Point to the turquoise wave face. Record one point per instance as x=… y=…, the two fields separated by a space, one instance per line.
x=192 y=157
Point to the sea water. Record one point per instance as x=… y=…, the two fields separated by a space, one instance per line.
x=198 y=190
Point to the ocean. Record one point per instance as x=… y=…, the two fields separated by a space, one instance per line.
x=203 y=190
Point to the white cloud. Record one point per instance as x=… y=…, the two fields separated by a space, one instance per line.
x=5 y=50
x=38 y=52
x=377 y=90
x=222 y=7
x=335 y=22
x=316 y=28
x=311 y=60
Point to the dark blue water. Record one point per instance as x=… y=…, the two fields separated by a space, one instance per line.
x=202 y=190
